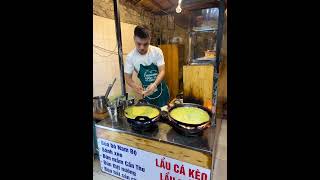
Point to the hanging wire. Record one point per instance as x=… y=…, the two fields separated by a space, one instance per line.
x=103 y=55
x=110 y=53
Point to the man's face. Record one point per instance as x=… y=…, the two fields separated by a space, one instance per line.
x=142 y=44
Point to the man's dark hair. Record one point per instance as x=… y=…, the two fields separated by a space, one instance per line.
x=141 y=32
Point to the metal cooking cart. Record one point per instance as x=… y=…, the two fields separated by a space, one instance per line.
x=214 y=42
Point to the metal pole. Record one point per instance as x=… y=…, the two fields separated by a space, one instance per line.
x=218 y=48
x=119 y=42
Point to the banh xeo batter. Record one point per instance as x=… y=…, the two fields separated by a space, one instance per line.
x=133 y=111
x=190 y=115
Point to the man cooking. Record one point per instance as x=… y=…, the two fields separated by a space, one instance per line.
x=148 y=62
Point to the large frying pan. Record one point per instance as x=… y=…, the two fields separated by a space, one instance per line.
x=185 y=128
x=143 y=123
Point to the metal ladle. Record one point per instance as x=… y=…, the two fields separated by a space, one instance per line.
x=109 y=88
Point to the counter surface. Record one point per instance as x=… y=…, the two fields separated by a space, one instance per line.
x=164 y=133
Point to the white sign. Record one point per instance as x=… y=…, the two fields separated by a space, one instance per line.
x=134 y=164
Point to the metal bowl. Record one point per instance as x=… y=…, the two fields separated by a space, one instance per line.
x=99 y=104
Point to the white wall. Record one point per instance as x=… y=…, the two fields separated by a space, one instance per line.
x=107 y=68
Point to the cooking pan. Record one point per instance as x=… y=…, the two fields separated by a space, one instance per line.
x=185 y=128
x=142 y=122
x=189 y=105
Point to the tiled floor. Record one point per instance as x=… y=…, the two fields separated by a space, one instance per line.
x=219 y=173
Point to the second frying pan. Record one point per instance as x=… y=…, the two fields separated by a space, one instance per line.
x=189 y=129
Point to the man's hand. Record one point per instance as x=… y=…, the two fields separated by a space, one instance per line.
x=138 y=89
x=150 y=89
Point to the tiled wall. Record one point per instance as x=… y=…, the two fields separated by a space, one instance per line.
x=106 y=65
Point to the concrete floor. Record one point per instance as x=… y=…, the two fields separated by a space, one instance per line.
x=219 y=173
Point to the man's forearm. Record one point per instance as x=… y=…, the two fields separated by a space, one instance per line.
x=129 y=80
x=160 y=77
x=131 y=83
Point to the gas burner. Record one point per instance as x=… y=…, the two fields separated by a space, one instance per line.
x=187 y=133
x=144 y=129
x=188 y=130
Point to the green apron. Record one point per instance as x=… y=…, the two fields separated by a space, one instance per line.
x=148 y=75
